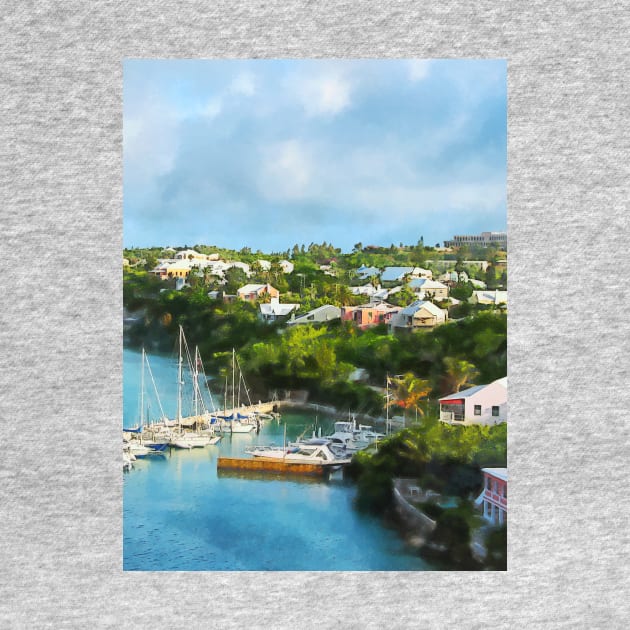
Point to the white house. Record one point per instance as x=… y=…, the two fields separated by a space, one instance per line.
x=429 y=287
x=482 y=404
x=273 y=311
x=367 y=272
x=324 y=313
x=488 y=297
x=287 y=267
x=265 y=265
x=366 y=289
x=240 y=265
x=382 y=295
x=396 y=274
x=419 y=314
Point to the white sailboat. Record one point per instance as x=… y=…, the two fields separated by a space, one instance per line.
x=138 y=441
x=187 y=439
x=232 y=423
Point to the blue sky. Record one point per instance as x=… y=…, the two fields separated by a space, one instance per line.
x=269 y=153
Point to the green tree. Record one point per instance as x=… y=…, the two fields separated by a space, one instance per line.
x=459 y=372
x=236 y=278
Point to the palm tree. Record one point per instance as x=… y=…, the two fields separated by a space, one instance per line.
x=459 y=372
x=409 y=391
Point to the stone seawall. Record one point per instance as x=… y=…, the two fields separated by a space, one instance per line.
x=417 y=522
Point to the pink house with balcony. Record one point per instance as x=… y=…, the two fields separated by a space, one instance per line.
x=367 y=315
x=481 y=404
x=493 y=497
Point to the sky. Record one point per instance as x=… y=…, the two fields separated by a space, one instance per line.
x=269 y=153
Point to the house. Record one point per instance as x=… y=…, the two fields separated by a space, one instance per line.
x=239 y=265
x=190 y=254
x=488 y=297
x=493 y=497
x=368 y=315
x=265 y=265
x=287 y=267
x=172 y=269
x=381 y=295
x=274 y=311
x=367 y=272
x=429 y=287
x=419 y=272
x=256 y=291
x=419 y=314
x=482 y=404
x=396 y=274
x=324 y=313
x=366 y=289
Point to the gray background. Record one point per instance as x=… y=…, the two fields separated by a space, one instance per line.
x=60 y=326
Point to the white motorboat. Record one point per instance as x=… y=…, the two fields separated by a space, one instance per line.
x=316 y=451
x=351 y=439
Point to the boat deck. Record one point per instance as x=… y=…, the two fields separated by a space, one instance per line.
x=272 y=465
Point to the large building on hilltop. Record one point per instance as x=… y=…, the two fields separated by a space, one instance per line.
x=483 y=240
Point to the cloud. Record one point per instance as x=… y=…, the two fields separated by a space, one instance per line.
x=285 y=172
x=326 y=95
x=243 y=84
x=213 y=108
x=418 y=69
x=397 y=161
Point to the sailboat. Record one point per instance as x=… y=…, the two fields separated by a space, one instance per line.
x=232 y=423
x=190 y=439
x=137 y=444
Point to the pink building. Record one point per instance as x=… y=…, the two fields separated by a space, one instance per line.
x=254 y=292
x=493 y=498
x=481 y=404
x=367 y=315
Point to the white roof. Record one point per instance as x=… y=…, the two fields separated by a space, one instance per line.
x=473 y=390
x=251 y=288
x=367 y=289
x=426 y=283
x=414 y=307
x=499 y=473
x=390 y=274
x=277 y=309
x=491 y=297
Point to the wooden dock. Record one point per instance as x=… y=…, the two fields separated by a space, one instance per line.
x=270 y=465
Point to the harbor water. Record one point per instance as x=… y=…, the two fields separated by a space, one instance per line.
x=180 y=513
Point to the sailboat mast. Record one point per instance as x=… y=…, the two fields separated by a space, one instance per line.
x=179 y=381
x=196 y=381
x=142 y=391
x=387 y=406
x=233 y=371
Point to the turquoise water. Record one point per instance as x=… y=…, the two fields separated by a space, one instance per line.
x=181 y=514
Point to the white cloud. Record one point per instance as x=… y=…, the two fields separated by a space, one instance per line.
x=213 y=108
x=325 y=95
x=418 y=69
x=286 y=171
x=243 y=84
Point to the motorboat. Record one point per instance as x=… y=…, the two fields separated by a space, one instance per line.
x=316 y=451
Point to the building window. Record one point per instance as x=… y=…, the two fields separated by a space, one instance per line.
x=495 y=411
x=477 y=410
x=488 y=483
